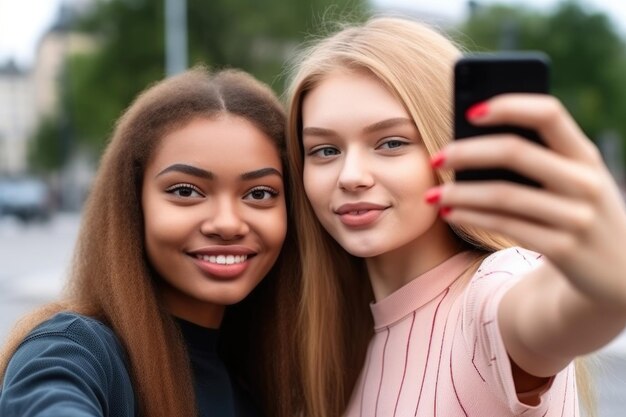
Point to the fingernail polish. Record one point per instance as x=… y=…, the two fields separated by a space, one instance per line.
x=477 y=111
x=437 y=160
x=433 y=195
x=445 y=211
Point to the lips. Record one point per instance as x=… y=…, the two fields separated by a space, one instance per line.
x=222 y=262
x=358 y=215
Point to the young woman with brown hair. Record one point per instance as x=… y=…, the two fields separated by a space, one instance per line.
x=180 y=297
x=462 y=323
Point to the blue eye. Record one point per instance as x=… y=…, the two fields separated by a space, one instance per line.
x=392 y=144
x=325 y=152
x=261 y=194
x=184 y=191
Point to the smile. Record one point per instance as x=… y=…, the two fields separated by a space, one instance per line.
x=223 y=259
x=222 y=267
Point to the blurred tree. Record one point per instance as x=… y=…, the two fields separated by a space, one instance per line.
x=256 y=36
x=44 y=152
x=588 y=56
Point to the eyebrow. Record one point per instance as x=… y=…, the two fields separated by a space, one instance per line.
x=187 y=169
x=385 y=124
x=201 y=173
x=374 y=127
x=259 y=173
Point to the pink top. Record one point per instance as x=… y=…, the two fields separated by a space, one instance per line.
x=437 y=349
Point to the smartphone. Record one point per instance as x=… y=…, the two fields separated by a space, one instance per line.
x=478 y=77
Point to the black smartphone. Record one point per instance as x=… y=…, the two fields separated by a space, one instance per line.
x=478 y=77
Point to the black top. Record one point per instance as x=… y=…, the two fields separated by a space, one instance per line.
x=72 y=365
x=217 y=394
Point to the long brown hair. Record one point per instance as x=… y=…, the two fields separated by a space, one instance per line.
x=112 y=280
x=415 y=62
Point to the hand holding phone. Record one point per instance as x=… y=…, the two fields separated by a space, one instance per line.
x=478 y=77
x=577 y=219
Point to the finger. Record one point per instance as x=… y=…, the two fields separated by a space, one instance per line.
x=536 y=237
x=544 y=114
x=516 y=201
x=553 y=171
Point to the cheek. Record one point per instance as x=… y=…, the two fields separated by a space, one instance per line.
x=279 y=231
x=421 y=182
x=273 y=228
x=315 y=185
x=417 y=177
x=159 y=227
x=156 y=242
x=162 y=226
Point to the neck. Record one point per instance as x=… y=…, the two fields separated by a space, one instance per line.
x=196 y=311
x=392 y=270
x=205 y=316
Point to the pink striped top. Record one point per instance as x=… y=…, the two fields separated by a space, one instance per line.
x=437 y=349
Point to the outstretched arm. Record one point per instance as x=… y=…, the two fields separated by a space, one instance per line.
x=576 y=302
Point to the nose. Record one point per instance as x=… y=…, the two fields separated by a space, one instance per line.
x=355 y=174
x=224 y=221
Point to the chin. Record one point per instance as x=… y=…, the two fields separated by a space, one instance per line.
x=227 y=298
x=363 y=250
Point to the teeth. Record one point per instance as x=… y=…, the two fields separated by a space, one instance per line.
x=223 y=259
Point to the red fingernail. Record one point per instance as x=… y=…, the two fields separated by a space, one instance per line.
x=477 y=111
x=445 y=211
x=433 y=195
x=437 y=160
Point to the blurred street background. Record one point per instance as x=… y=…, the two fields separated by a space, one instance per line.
x=68 y=68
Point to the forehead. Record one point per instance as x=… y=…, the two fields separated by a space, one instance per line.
x=350 y=93
x=218 y=143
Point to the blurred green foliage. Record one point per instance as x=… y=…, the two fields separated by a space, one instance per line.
x=587 y=53
x=44 y=152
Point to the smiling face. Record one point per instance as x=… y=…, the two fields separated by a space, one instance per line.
x=214 y=214
x=366 y=169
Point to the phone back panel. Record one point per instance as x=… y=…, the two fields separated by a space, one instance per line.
x=481 y=76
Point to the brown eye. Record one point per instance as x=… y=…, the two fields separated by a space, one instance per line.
x=258 y=194
x=184 y=191
x=261 y=194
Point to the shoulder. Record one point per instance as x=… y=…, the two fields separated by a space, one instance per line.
x=68 y=365
x=69 y=327
x=514 y=261
x=72 y=336
x=498 y=272
x=73 y=326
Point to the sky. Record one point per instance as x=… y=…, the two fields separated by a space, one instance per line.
x=22 y=22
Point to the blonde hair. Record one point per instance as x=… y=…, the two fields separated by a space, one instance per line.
x=414 y=62
x=112 y=280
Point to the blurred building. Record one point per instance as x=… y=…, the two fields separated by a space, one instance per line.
x=29 y=95
x=54 y=48
x=17 y=117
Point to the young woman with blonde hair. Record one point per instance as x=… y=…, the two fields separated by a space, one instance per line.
x=462 y=322
x=180 y=298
